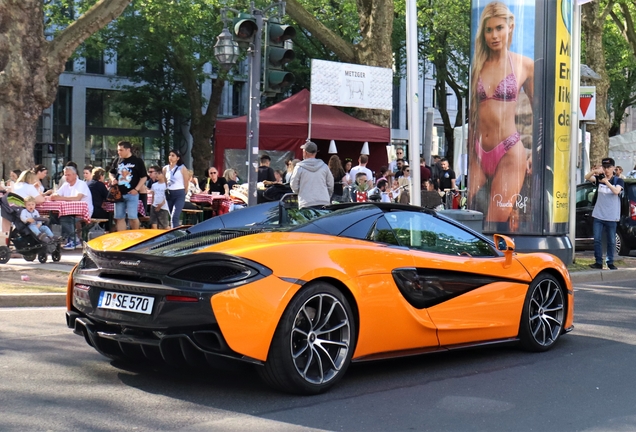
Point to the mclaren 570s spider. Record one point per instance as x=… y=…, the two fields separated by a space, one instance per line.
x=302 y=302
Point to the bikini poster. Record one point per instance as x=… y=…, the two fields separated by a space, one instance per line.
x=502 y=148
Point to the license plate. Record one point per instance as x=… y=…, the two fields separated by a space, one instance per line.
x=125 y=302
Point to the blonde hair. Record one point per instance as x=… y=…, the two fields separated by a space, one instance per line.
x=29 y=199
x=482 y=52
x=228 y=173
x=27 y=176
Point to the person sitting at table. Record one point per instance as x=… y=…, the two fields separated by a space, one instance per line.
x=13 y=179
x=216 y=183
x=73 y=189
x=24 y=186
x=99 y=192
x=88 y=173
x=231 y=177
x=41 y=172
x=193 y=188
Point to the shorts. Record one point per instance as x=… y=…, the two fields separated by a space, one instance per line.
x=161 y=218
x=127 y=207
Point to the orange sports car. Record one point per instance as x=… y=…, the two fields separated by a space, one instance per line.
x=364 y=282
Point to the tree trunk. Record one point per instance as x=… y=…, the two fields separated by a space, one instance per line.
x=374 y=49
x=203 y=129
x=592 y=21
x=30 y=67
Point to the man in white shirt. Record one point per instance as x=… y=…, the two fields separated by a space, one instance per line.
x=362 y=167
x=73 y=189
x=399 y=154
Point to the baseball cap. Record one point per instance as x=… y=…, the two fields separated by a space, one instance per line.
x=608 y=161
x=310 y=147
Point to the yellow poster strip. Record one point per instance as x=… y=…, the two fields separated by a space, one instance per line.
x=561 y=166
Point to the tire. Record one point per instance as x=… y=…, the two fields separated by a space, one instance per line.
x=29 y=257
x=5 y=254
x=304 y=358
x=42 y=258
x=543 y=314
x=56 y=255
x=622 y=248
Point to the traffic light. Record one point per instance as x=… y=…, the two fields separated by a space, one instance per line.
x=276 y=78
x=244 y=28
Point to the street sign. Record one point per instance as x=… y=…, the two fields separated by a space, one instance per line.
x=587 y=104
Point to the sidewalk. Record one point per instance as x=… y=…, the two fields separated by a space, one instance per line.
x=70 y=258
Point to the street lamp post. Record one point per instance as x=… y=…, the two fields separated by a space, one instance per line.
x=226 y=51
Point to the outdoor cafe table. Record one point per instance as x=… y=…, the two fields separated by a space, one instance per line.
x=78 y=209
x=220 y=204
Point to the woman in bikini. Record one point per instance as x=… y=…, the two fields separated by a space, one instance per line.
x=496 y=153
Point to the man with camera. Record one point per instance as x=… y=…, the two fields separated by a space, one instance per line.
x=607 y=210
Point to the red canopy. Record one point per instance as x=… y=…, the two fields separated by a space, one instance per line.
x=284 y=127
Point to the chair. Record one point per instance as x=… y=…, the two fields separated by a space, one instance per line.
x=188 y=214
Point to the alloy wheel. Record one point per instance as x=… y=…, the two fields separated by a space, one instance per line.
x=546 y=312
x=320 y=338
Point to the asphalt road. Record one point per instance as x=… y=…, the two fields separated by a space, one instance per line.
x=51 y=380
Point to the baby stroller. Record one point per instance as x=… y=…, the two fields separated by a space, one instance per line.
x=24 y=241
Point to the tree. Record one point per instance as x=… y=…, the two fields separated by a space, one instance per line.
x=593 y=19
x=446 y=35
x=165 y=47
x=30 y=67
x=370 y=43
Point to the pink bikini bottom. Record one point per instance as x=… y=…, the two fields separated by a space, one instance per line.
x=490 y=159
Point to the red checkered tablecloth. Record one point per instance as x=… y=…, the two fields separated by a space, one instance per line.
x=220 y=204
x=110 y=207
x=66 y=208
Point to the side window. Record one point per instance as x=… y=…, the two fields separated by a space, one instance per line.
x=585 y=195
x=382 y=233
x=425 y=232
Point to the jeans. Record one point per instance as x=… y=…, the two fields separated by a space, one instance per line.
x=42 y=229
x=610 y=231
x=67 y=223
x=127 y=207
x=176 y=201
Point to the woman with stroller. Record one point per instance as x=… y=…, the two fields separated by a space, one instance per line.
x=24 y=187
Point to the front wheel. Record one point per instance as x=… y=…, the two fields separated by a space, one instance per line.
x=621 y=246
x=543 y=314
x=314 y=342
x=42 y=258
x=56 y=255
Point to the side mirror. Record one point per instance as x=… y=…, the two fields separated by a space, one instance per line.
x=506 y=245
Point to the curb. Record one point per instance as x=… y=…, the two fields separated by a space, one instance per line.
x=592 y=276
x=32 y=300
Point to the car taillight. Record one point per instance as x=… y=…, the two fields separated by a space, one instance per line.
x=632 y=210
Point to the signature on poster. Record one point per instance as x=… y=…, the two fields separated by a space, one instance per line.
x=518 y=201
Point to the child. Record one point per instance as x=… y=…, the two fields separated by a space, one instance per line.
x=29 y=216
x=159 y=214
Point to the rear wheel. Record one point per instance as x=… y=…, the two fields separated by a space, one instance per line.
x=314 y=342
x=42 y=258
x=543 y=314
x=5 y=254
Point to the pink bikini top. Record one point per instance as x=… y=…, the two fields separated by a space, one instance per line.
x=506 y=90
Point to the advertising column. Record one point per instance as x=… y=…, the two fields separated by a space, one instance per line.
x=519 y=126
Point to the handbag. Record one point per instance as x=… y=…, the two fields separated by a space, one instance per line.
x=114 y=194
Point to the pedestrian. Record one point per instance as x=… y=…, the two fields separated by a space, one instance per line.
x=159 y=211
x=128 y=172
x=619 y=172
x=99 y=192
x=363 y=160
x=425 y=172
x=399 y=154
x=447 y=176
x=177 y=179
x=88 y=173
x=436 y=168
x=338 y=173
x=152 y=175
x=607 y=210
x=311 y=179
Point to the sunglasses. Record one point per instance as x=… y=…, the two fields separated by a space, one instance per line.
x=212 y=172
